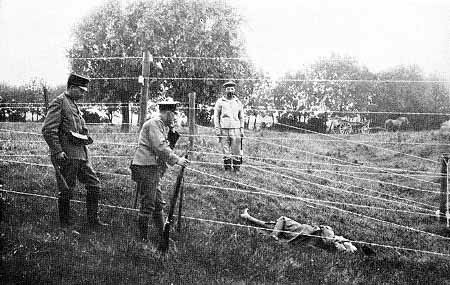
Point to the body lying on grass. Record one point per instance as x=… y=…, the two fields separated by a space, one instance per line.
x=290 y=231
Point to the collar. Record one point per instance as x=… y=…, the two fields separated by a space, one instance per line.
x=232 y=98
x=68 y=96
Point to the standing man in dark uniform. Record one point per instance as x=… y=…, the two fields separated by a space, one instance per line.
x=229 y=126
x=149 y=164
x=65 y=132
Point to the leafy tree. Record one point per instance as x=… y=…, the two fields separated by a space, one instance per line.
x=400 y=96
x=415 y=96
x=174 y=28
x=304 y=89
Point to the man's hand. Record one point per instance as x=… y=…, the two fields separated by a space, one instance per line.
x=218 y=132
x=61 y=157
x=183 y=161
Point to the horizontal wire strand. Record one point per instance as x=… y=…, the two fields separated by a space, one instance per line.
x=228 y=223
x=302 y=171
x=309 y=199
x=319 y=185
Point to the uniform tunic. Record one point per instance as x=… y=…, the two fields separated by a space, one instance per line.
x=229 y=118
x=62 y=117
x=294 y=232
x=149 y=164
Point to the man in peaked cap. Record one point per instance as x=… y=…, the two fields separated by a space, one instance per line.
x=229 y=126
x=66 y=134
x=149 y=164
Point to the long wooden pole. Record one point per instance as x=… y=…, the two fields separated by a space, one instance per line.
x=191 y=120
x=144 y=88
x=443 y=207
x=143 y=102
x=45 y=91
x=447 y=213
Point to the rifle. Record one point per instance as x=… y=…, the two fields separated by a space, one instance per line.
x=164 y=245
x=180 y=206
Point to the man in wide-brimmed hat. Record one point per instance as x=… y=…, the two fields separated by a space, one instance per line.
x=154 y=152
x=229 y=126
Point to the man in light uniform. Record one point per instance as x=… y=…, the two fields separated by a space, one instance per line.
x=288 y=230
x=66 y=134
x=229 y=126
x=150 y=163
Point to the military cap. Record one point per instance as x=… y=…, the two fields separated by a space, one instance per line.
x=229 y=84
x=78 y=80
x=168 y=105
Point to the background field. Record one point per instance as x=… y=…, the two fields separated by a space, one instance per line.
x=35 y=250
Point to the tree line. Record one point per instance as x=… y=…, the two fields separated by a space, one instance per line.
x=211 y=31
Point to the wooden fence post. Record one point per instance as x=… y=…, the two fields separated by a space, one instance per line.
x=444 y=215
x=146 y=59
x=192 y=127
x=45 y=93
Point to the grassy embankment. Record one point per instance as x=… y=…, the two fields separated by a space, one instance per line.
x=35 y=250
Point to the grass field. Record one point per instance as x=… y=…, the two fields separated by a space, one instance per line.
x=36 y=250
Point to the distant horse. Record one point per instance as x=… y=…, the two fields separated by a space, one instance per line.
x=397 y=124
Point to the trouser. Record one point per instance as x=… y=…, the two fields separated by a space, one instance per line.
x=148 y=179
x=67 y=174
x=230 y=140
x=291 y=229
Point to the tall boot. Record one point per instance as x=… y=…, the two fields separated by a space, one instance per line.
x=227 y=163
x=64 y=212
x=92 y=208
x=236 y=165
x=142 y=224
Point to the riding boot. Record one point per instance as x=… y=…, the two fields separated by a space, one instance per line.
x=64 y=212
x=236 y=165
x=142 y=224
x=92 y=208
x=227 y=163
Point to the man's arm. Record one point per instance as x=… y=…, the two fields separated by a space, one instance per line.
x=217 y=113
x=241 y=117
x=160 y=145
x=51 y=126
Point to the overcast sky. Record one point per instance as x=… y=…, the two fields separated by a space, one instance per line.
x=281 y=35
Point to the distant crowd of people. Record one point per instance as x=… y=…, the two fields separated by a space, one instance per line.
x=257 y=119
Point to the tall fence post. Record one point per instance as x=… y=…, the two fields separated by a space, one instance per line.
x=191 y=120
x=45 y=93
x=444 y=214
x=146 y=59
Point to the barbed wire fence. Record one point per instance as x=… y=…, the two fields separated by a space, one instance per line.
x=293 y=172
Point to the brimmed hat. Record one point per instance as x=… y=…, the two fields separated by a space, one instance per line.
x=167 y=105
x=78 y=80
x=229 y=84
